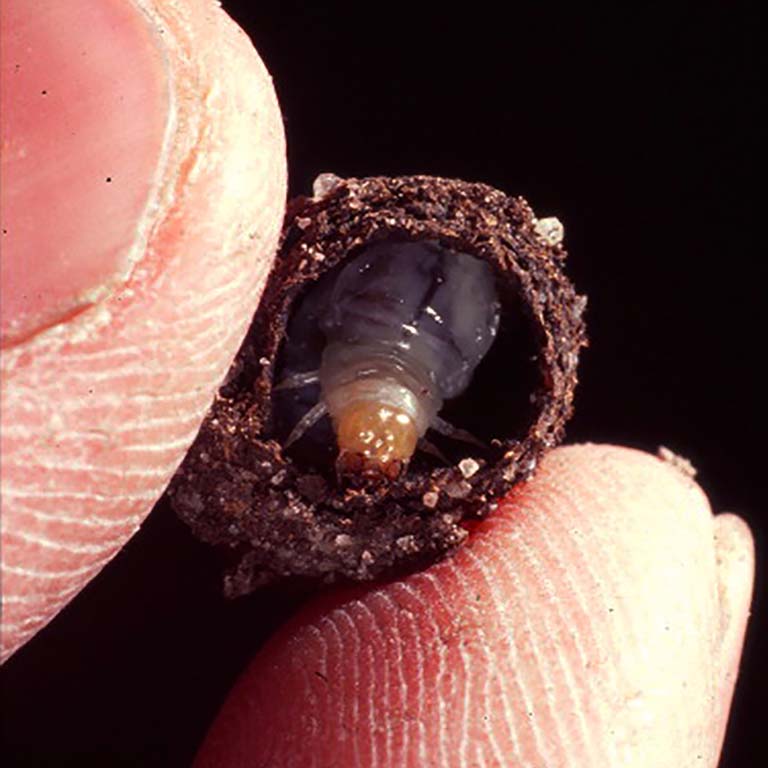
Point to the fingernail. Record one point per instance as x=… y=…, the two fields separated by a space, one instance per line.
x=85 y=108
x=735 y=560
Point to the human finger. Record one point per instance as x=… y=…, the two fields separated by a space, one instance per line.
x=595 y=619
x=142 y=195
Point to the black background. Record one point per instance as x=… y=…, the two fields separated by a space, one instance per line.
x=634 y=124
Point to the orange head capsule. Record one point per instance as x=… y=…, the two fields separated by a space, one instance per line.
x=373 y=436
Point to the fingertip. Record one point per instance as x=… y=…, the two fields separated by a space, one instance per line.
x=100 y=405
x=735 y=549
x=574 y=628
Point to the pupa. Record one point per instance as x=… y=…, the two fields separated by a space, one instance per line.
x=404 y=325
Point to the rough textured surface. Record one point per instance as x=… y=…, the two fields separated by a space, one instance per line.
x=279 y=517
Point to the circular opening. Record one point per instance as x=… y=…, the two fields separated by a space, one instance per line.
x=496 y=405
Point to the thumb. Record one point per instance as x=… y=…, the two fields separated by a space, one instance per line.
x=143 y=185
x=595 y=620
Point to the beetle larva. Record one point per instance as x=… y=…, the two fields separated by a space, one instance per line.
x=405 y=325
x=346 y=325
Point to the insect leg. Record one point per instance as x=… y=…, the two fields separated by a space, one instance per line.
x=298 y=380
x=309 y=419
x=447 y=429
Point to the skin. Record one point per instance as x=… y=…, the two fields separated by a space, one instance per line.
x=596 y=619
x=124 y=301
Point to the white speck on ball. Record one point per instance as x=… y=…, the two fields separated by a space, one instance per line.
x=324 y=184
x=550 y=230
